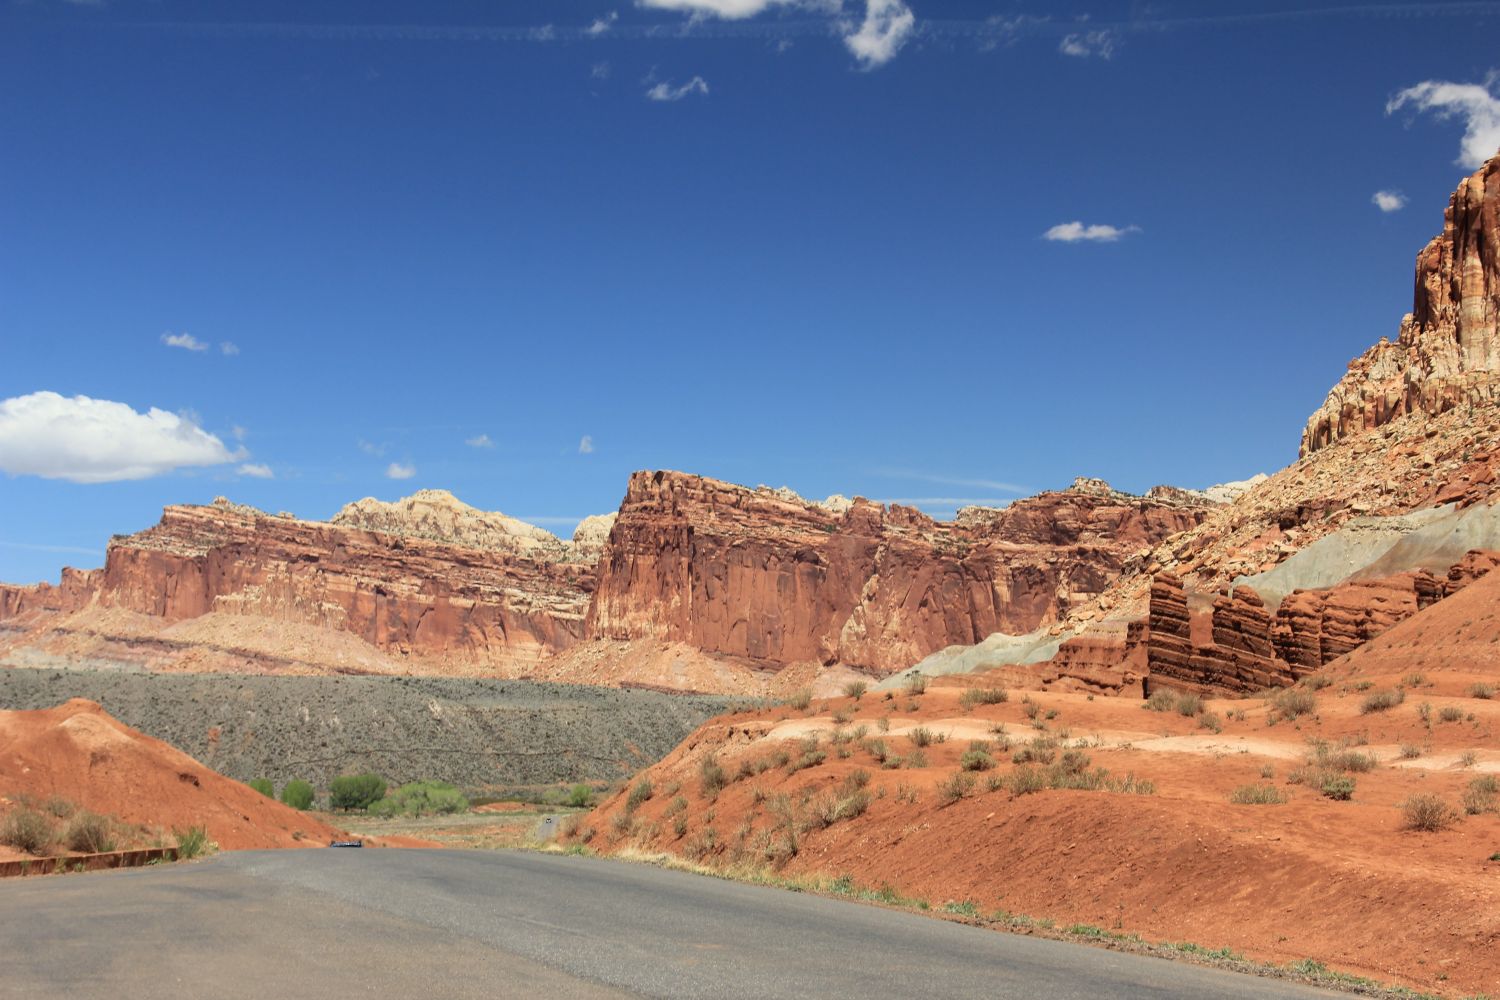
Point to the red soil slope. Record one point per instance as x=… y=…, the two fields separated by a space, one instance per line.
x=78 y=752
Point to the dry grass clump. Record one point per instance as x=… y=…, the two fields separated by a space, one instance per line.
x=982 y=696
x=921 y=736
x=856 y=689
x=1189 y=705
x=1482 y=795
x=977 y=759
x=1041 y=750
x=1428 y=813
x=1257 y=795
x=799 y=699
x=1481 y=690
x=90 y=833
x=712 y=775
x=1382 y=701
x=1293 y=703
x=1161 y=700
x=916 y=684
x=958 y=786
x=639 y=792
x=26 y=830
x=1450 y=713
x=850 y=799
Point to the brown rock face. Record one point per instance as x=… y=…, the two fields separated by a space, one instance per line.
x=765 y=576
x=1251 y=649
x=76 y=589
x=438 y=602
x=1448 y=351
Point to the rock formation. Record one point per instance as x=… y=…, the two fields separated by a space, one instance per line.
x=764 y=575
x=1447 y=354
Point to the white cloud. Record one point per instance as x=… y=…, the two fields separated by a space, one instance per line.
x=228 y=347
x=239 y=432
x=398 y=471
x=256 y=471
x=186 y=341
x=602 y=25
x=732 y=10
x=666 y=92
x=86 y=440
x=880 y=36
x=481 y=441
x=1073 y=232
x=600 y=70
x=1472 y=102
x=371 y=449
x=1089 y=43
x=1389 y=201
x=586 y=445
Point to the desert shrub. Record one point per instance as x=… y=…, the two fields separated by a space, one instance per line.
x=1073 y=762
x=856 y=689
x=1026 y=779
x=421 y=798
x=976 y=760
x=1317 y=682
x=799 y=699
x=1039 y=751
x=916 y=684
x=1382 y=701
x=1451 y=713
x=1293 y=703
x=712 y=775
x=192 y=842
x=26 y=830
x=701 y=845
x=1481 y=795
x=982 y=696
x=1410 y=751
x=1337 y=786
x=297 y=793
x=843 y=715
x=639 y=792
x=847 y=801
x=623 y=822
x=1257 y=795
x=355 y=791
x=883 y=724
x=809 y=758
x=579 y=796
x=1427 y=813
x=958 y=785
x=1414 y=680
x=1482 y=690
x=264 y=786
x=877 y=749
x=1161 y=700
x=90 y=833
x=677 y=805
x=1211 y=722
x=916 y=759
x=1424 y=712
x=59 y=807
x=921 y=736
x=680 y=826
x=1189 y=705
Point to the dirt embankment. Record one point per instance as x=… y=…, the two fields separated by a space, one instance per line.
x=1344 y=882
x=470 y=732
x=77 y=754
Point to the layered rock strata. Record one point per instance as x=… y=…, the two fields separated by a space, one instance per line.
x=768 y=577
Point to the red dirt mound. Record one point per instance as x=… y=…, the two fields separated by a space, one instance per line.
x=78 y=752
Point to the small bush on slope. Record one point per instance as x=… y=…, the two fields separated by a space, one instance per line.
x=90 y=833
x=298 y=794
x=264 y=786
x=26 y=830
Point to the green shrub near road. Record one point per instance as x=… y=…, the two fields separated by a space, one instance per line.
x=421 y=798
x=355 y=791
x=579 y=796
x=297 y=793
x=264 y=786
x=26 y=830
x=90 y=833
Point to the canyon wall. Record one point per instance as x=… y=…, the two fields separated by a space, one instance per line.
x=764 y=575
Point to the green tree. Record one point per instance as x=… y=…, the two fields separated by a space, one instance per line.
x=298 y=794
x=355 y=791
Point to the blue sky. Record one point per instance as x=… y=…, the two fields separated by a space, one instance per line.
x=519 y=250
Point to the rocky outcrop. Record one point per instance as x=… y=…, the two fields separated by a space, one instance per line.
x=74 y=591
x=439 y=603
x=769 y=577
x=1447 y=354
x=1250 y=649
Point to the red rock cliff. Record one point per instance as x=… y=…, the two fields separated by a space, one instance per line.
x=1448 y=351
x=767 y=576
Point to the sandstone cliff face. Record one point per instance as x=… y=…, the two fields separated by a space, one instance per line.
x=766 y=576
x=440 y=603
x=1448 y=352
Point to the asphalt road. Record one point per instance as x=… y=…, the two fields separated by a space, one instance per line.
x=390 y=923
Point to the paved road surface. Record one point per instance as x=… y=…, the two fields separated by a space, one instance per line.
x=417 y=924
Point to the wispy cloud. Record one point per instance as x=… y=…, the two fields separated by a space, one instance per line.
x=664 y=91
x=398 y=470
x=602 y=25
x=1075 y=232
x=186 y=341
x=941 y=480
x=1389 y=201
x=586 y=445
x=885 y=28
x=239 y=432
x=228 y=348
x=370 y=448
x=732 y=10
x=600 y=70
x=86 y=440
x=1086 y=44
x=479 y=441
x=256 y=471
x=1472 y=103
